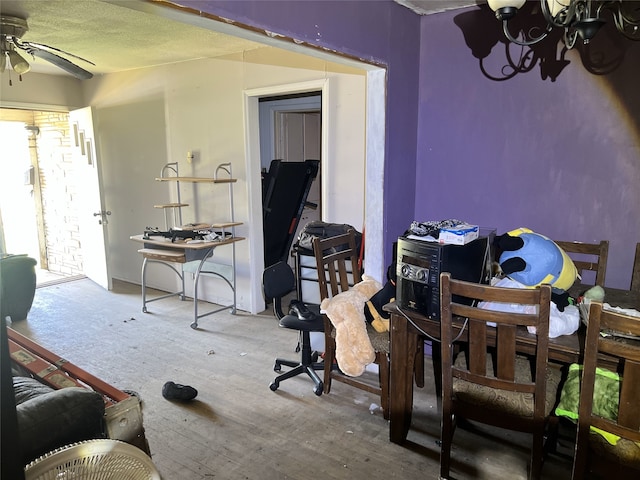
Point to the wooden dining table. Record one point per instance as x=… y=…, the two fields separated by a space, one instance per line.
x=408 y=326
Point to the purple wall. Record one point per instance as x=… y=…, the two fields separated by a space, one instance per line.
x=560 y=157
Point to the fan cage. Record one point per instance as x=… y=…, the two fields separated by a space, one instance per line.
x=103 y=459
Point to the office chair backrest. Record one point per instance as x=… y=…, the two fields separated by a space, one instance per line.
x=588 y=257
x=277 y=281
x=337 y=263
x=627 y=424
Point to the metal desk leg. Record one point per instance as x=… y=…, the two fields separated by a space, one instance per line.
x=147 y=260
x=144 y=285
x=231 y=283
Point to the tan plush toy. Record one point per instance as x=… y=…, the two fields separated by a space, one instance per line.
x=346 y=312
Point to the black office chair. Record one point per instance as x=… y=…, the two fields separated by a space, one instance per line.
x=277 y=281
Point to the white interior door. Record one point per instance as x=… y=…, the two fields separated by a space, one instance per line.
x=93 y=217
x=298 y=136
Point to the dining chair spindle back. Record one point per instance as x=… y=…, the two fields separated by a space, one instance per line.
x=487 y=381
x=613 y=451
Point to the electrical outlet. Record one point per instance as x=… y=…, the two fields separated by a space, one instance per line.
x=189 y=156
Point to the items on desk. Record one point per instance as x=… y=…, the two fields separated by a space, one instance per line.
x=206 y=234
x=458 y=235
x=431 y=228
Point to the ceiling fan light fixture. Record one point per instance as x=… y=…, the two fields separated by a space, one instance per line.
x=19 y=64
x=11 y=31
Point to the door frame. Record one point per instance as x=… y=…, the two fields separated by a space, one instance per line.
x=374 y=171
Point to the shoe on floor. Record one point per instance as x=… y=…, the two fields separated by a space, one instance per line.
x=175 y=391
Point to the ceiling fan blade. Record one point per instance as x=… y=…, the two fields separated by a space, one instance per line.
x=39 y=46
x=63 y=63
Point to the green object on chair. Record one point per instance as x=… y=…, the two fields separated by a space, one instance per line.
x=606 y=397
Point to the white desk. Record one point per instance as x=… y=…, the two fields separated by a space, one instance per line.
x=164 y=251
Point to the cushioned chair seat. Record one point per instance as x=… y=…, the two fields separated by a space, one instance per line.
x=379 y=340
x=49 y=419
x=504 y=401
x=624 y=451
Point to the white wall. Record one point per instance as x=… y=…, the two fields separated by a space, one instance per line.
x=38 y=89
x=149 y=117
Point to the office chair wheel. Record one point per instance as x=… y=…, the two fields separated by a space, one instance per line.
x=194 y=325
x=144 y=310
x=277 y=368
x=274 y=386
x=317 y=389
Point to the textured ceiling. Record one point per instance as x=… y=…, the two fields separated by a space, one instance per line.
x=114 y=37
x=427 y=7
x=120 y=35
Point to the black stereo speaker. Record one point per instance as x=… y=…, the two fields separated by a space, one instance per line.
x=420 y=262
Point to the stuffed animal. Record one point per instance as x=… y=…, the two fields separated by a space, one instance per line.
x=533 y=259
x=346 y=312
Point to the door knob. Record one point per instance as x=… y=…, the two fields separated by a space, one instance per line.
x=103 y=216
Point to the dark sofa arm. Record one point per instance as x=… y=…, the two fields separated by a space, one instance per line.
x=51 y=420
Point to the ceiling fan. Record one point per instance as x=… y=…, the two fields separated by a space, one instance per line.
x=11 y=31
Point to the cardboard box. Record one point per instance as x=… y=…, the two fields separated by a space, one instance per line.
x=459 y=235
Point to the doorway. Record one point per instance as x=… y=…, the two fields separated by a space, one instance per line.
x=37 y=211
x=291 y=131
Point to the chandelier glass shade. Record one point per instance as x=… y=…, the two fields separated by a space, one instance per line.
x=578 y=18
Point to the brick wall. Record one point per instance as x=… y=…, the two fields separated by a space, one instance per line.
x=57 y=183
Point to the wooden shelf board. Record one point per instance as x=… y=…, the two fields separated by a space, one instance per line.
x=196 y=179
x=225 y=224
x=171 y=205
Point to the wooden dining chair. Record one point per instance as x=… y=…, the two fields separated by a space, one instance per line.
x=337 y=264
x=488 y=381
x=338 y=269
x=635 y=276
x=588 y=257
x=619 y=456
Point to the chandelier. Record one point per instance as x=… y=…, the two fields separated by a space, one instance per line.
x=578 y=18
